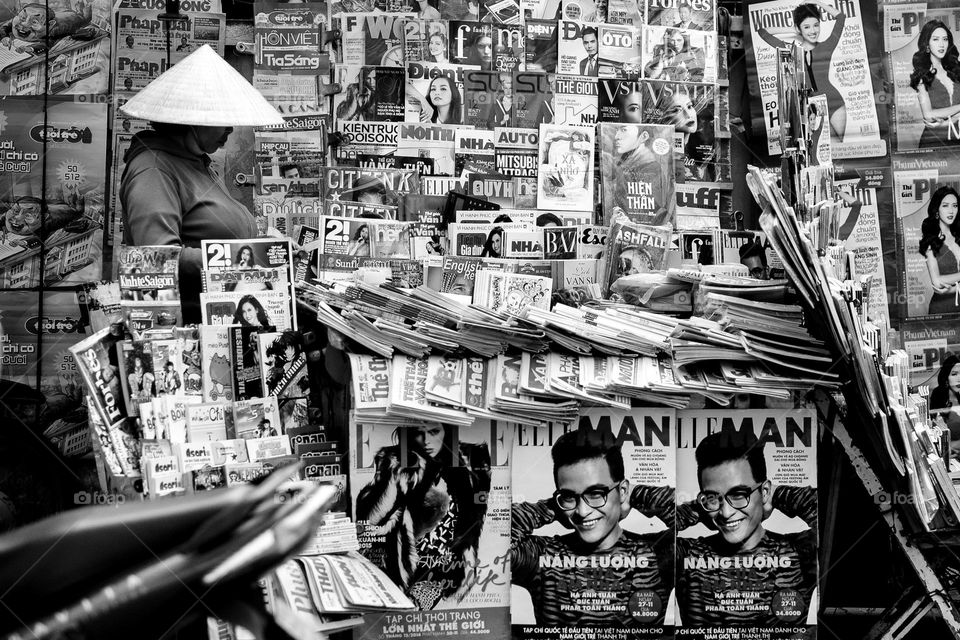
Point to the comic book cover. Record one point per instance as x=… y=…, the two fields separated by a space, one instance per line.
x=283 y=364
x=679 y=56
x=456 y=531
x=540 y=46
x=738 y=565
x=256 y=418
x=844 y=64
x=576 y=561
x=698 y=15
x=54 y=158
x=426 y=41
x=925 y=250
x=432 y=141
x=372 y=38
x=511 y=292
x=619 y=51
x=566 y=176
x=636 y=165
x=78 y=33
x=533 y=94
x=575 y=101
x=217 y=381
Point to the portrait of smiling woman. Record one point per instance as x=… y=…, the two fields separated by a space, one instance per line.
x=940 y=246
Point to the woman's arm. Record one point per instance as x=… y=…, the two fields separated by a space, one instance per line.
x=940 y=282
x=931 y=113
x=771 y=39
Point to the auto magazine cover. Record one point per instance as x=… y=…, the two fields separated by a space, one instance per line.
x=441 y=494
x=592 y=533
x=839 y=66
x=918 y=197
x=637 y=165
x=741 y=569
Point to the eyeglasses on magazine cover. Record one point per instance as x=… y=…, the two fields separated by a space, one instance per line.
x=595 y=497
x=737 y=498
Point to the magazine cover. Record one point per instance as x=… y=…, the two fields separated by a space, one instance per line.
x=475 y=151
x=633 y=248
x=372 y=38
x=471 y=43
x=78 y=33
x=434 y=92
x=434 y=142
x=260 y=309
x=679 y=56
x=690 y=109
x=747 y=522
x=492 y=188
x=364 y=238
x=839 y=66
x=696 y=15
x=926 y=203
x=637 y=169
x=251 y=253
x=620 y=100
x=508 y=41
x=532 y=99
x=575 y=100
x=440 y=494
x=54 y=154
x=426 y=41
x=283 y=364
x=578 y=46
x=148 y=273
x=288 y=38
x=369 y=94
x=566 y=168
x=540 y=49
x=371 y=186
x=619 y=51
x=217 y=381
x=592 y=539
x=488 y=96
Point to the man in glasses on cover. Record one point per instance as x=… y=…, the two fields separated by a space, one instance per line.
x=744 y=574
x=599 y=574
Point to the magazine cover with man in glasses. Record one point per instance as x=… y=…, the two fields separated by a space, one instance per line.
x=746 y=523
x=591 y=541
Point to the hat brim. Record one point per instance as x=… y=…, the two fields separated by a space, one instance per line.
x=202 y=90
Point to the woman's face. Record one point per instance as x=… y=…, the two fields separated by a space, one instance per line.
x=245 y=256
x=676 y=41
x=436 y=47
x=249 y=313
x=810 y=30
x=364 y=232
x=953 y=380
x=432 y=439
x=630 y=110
x=496 y=242
x=440 y=93
x=948 y=209
x=681 y=113
x=939 y=43
x=625 y=139
x=209 y=139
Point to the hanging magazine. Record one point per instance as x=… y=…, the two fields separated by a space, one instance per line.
x=566 y=168
x=637 y=169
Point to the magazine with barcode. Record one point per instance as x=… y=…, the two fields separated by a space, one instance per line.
x=637 y=169
x=566 y=168
x=372 y=38
x=148 y=272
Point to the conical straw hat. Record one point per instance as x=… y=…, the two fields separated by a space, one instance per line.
x=203 y=90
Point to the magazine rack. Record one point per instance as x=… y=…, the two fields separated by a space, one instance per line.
x=931 y=562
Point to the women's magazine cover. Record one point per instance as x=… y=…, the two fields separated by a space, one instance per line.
x=834 y=37
x=690 y=108
x=372 y=38
x=592 y=538
x=679 y=55
x=435 y=93
x=637 y=169
x=747 y=523
x=566 y=168
x=928 y=235
x=919 y=39
x=432 y=505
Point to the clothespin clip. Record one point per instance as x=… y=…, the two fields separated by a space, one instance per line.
x=738 y=220
x=244 y=180
x=245 y=48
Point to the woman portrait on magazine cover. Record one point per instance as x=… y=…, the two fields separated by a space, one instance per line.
x=945 y=399
x=360 y=244
x=936 y=79
x=445 y=102
x=437 y=48
x=245 y=258
x=940 y=246
x=817 y=55
x=493 y=245
x=427 y=505
x=250 y=313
